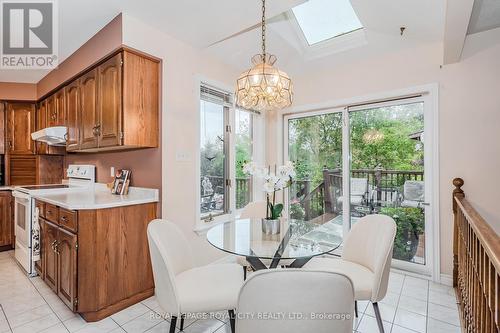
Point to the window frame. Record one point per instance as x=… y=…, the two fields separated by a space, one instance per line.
x=257 y=132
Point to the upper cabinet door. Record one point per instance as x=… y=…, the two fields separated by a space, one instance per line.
x=88 y=104
x=73 y=116
x=51 y=113
x=56 y=109
x=20 y=123
x=41 y=123
x=110 y=102
x=60 y=108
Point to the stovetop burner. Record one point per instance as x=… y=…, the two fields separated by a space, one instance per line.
x=45 y=187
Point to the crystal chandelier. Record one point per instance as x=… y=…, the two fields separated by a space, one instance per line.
x=264 y=87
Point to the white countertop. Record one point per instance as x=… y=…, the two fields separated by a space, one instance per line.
x=99 y=197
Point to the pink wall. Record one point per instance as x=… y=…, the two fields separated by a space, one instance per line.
x=101 y=44
x=145 y=165
x=17 y=91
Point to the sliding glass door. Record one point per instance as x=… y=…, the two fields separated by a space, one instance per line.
x=361 y=160
x=315 y=146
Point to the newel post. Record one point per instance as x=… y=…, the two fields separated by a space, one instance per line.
x=458 y=193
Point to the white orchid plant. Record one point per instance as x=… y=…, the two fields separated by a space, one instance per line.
x=280 y=179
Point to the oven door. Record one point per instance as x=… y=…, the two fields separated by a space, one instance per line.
x=22 y=221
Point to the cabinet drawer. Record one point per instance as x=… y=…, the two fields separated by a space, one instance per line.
x=41 y=208
x=51 y=213
x=68 y=219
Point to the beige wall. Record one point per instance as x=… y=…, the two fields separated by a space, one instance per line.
x=183 y=65
x=469 y=114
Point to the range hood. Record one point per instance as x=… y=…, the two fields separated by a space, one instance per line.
x=53 y=136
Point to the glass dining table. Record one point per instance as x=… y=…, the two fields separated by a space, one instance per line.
x=298 y=241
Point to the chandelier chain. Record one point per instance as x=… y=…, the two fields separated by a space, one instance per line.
x=264 y=30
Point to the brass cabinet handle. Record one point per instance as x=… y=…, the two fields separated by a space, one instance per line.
x=96 y=130
x=57 y=247
x=53 y=245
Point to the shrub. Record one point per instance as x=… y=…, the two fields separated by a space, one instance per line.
x=410 y=224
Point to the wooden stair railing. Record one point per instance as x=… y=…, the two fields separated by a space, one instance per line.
x=476 y=266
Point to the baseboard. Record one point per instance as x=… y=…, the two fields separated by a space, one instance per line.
x=446 y=279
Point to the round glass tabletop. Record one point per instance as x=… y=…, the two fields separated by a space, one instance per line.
x=297 y=239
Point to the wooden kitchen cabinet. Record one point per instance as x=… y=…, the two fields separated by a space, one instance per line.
x=89 y=116
x=2 y=128
x=73 y=114
x=42 y=121
x=20 y=125
x=66 y=249
x=56 y=109
x=34 y=169
x=6 y=221
x=109 y=127
x=118 y=103
x=102 y=250
x=50 y=257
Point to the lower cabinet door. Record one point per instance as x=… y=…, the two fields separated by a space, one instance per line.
x=49 y=241
x=66 y=282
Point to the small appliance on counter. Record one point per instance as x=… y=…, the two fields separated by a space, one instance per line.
x=80 y=177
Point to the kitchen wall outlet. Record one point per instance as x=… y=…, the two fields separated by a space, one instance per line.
x=183 y=156
x=112 y=171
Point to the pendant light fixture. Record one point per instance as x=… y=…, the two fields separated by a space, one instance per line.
x=264 y=87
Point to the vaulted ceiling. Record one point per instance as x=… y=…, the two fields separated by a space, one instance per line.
x=229 y=29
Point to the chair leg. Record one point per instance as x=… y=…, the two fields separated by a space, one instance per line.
x=379 y=318
x=182 y=323
x=232 y=320
x=356 y=308
x=173 y=321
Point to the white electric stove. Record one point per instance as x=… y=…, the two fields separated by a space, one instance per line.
x=80 y=177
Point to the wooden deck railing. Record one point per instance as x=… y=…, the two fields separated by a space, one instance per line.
x=476 y=266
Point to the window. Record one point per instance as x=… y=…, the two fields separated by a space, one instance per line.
x=321 y=20
x=214 y=139
x=223 y=152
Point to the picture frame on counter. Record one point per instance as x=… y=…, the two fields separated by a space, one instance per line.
x=121 y=182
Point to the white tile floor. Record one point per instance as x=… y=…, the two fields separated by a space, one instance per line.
x=28 y=305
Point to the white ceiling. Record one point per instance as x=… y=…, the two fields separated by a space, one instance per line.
x=204 y=22
x=485 y=16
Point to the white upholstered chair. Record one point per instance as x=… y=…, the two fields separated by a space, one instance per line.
x=295 y=291
x=180 y=286
x=366 y=259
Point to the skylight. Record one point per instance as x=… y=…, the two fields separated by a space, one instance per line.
x=324 y=19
